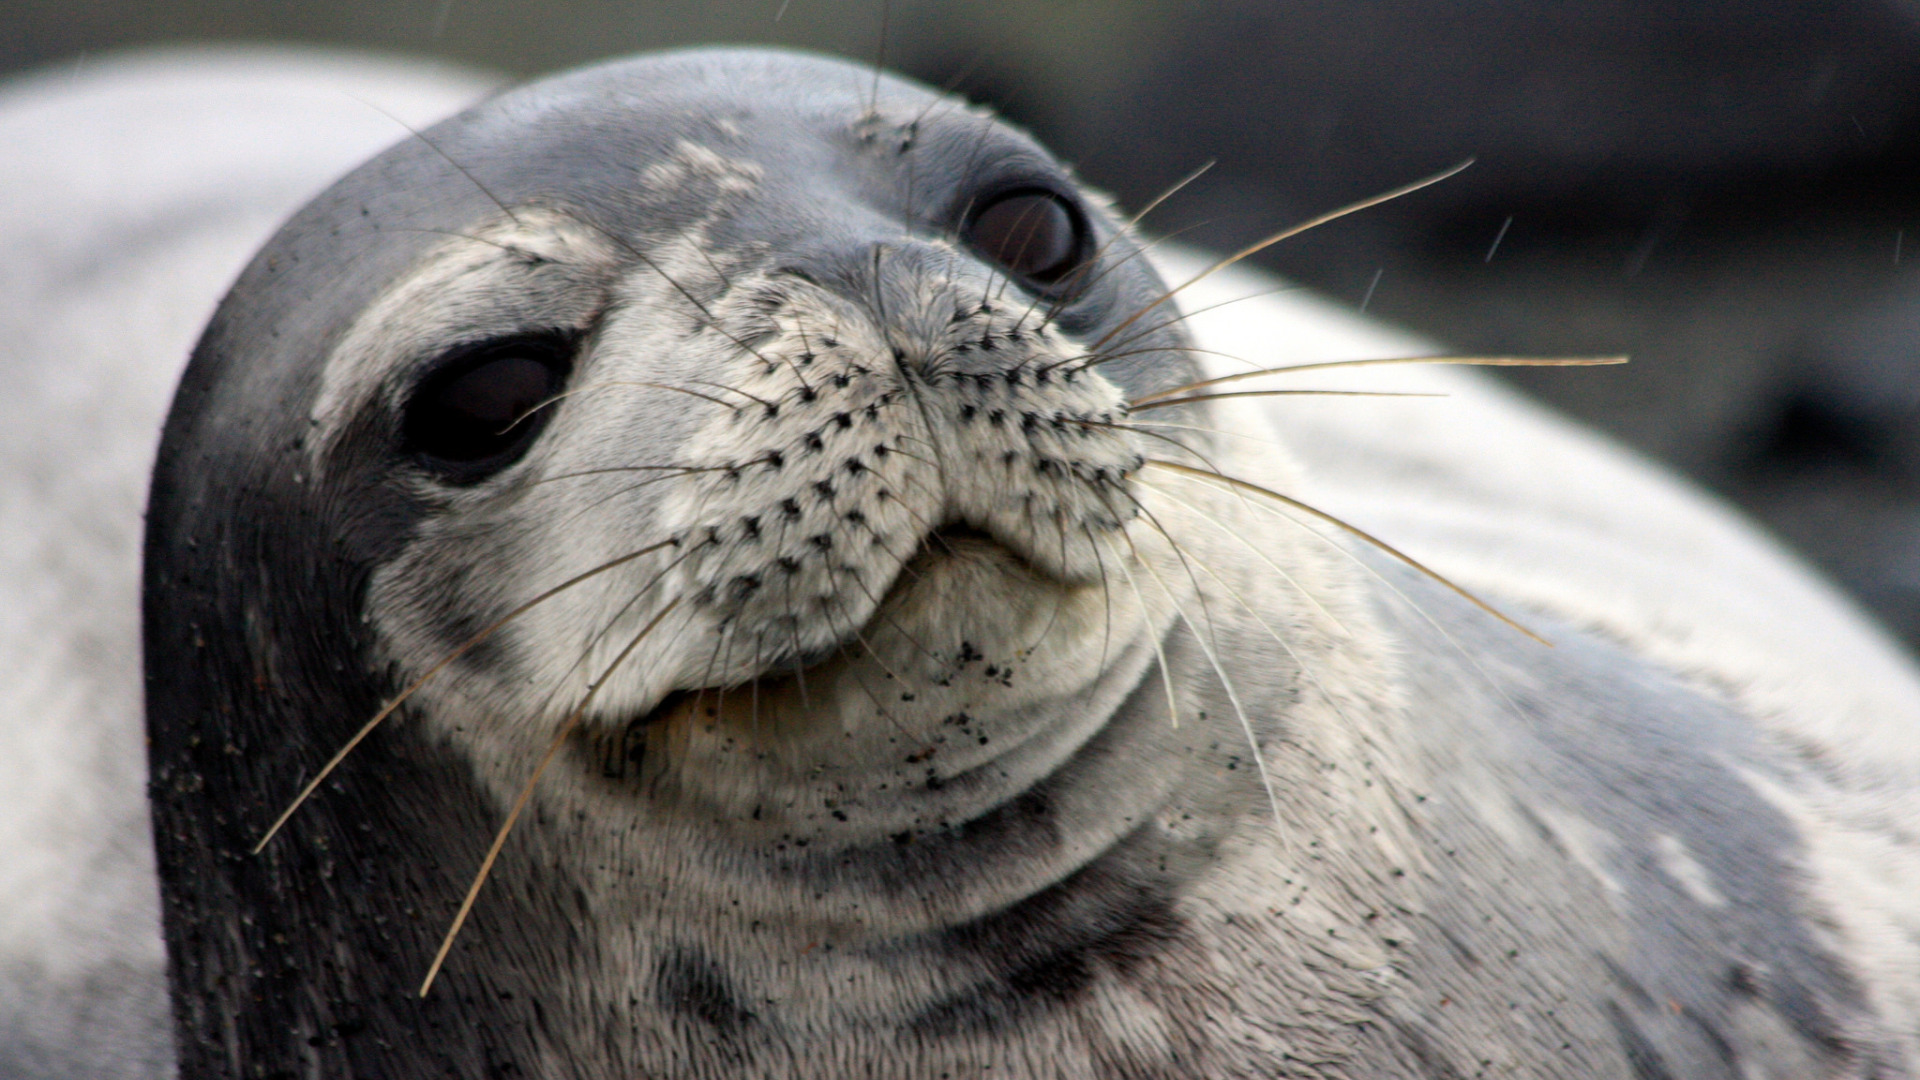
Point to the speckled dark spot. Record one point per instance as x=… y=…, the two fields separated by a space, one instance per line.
x=690 y=984
x=1642 y=1057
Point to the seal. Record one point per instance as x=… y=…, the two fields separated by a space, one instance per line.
x=755 y=548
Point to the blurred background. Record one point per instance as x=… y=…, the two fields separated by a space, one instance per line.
x=1728 y=190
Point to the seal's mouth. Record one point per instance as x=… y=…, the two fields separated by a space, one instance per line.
x=942 y=548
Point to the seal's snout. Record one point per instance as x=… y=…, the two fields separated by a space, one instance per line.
x=926 y=397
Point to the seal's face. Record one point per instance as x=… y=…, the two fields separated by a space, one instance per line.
x=788 y=450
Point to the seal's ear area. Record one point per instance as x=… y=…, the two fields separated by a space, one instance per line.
x=1037 y=235
x=481 y=406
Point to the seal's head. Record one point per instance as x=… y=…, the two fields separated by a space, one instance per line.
x=758 y=427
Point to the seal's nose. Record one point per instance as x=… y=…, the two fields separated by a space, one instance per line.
x=941 y=309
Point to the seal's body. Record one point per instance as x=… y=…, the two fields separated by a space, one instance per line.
x=759 y=481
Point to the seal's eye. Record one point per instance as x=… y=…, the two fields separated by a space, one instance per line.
x=1035 y=235
x=480 y=411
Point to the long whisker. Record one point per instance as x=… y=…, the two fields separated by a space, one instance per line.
x=564 y=394
x=1059 y=598
x=707 y=313
x=1179 y=550
x=1286 y=233
x=465 y=647
x=519 y=804
x=1464 y=361
x=879 y=610
x=1159 y=650
x=458 y=235
x=1465 y=654
x=609 y=234
x=1092 y=272
x=1350 y=528
x=1199 y=595
x=1117 y=350
x=681 y=470
x=1178 y=547
x=1179 y=185
x=1299 y=661
x=1305 y=594
x=1208 y=462
x=1106 y=599
x=1233 y=697
x=854 y=632
x=1106 y=357
x=448 y=158
x=950 y=90
x=1193 y=398
x=1225 y=433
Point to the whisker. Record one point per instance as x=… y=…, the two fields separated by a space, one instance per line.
x=519 y=804
x=949 y=94
x=753 y=688
x=1141 y=250
x=755 y=398
x=726 y=283
x=1149 y=350
x=707 y=313
x=1093 y=357
x=465 y=647
x=1305 y=594
x=1299 y=661
x=618 y=240
x=880 y=612
x=1286 y=233
x=1464 y=361
x=1059 y=598
x=1233 y=696
x=448 y=158
x=564 y=394
x=458 y=235
x=927 y=527
x=1386 y=583
x=854 y=632
x=1194 y=398
x=1354 y=530
x=1178 y=186
x=1179 y=551
x=1080 y=273
x=728 y=634
x=1225 y=433
x=680 y=470
x=880 y=58
x=793 y=624
x=1106 y=599
x=1159 y=650
x=1204 y=459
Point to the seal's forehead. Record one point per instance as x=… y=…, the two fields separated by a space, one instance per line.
x=697 y=84
x=802 y=118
